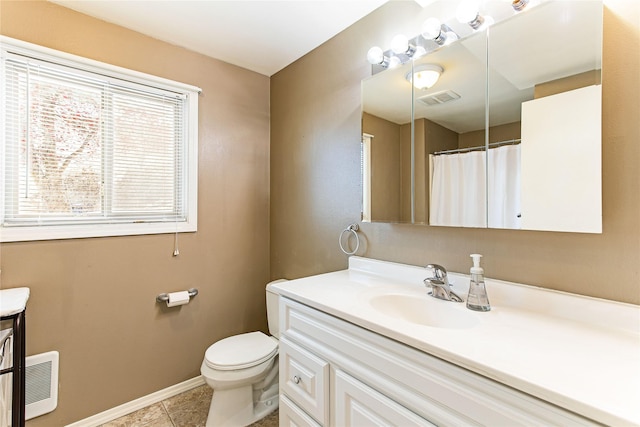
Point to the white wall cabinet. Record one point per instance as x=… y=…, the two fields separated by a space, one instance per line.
x=333 y=373
x=558 y=194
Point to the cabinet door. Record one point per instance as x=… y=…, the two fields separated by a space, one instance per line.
x=292 y=416
x=356 y=404
x=304 y=378
x=568 y=125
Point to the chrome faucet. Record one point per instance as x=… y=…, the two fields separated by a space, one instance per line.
x=439 y=284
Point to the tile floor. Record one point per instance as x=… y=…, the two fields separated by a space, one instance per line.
x=188 y=409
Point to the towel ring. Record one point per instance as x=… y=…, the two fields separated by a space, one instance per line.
x=353 y=228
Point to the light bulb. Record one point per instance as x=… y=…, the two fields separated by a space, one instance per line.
x=400 y=44
x=467 y=11
x=394 y=61
x=451 y=37
x=432 y=29
x=375 y=56
x=486 y=22
x=420 y=51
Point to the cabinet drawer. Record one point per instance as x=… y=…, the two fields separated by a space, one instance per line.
x=304 y=378
x=291 y=415
x=357 y=404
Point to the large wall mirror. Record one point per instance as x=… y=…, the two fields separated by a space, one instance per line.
x=510 y=134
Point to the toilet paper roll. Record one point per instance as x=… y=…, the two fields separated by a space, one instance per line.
x=178 y=298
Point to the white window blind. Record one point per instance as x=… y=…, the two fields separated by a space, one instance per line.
x=86 y=150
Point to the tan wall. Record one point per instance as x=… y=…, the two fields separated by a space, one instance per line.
x=496 y=134
x=565 y=84
x=438 y=138
x=505 y=132
x=385 y=167
x=322 y=121
x=405 y=141
x=471 y=139
x=93 y=300
x=421 y=169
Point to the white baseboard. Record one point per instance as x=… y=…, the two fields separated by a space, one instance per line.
x=142 y=402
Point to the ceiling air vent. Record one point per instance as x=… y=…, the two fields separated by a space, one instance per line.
x=439 y=97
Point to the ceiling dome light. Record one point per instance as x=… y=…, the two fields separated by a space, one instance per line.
x=425 y=76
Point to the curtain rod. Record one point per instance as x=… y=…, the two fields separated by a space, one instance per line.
x=480 y=147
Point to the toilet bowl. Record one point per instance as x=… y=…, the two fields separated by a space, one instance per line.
x=242 y=370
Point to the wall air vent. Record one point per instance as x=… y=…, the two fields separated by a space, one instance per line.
x=439 y=97
x=41 y=384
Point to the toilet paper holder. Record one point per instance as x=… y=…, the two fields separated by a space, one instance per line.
x=165 y=296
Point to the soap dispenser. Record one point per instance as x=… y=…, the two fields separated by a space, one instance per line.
x=477 y=299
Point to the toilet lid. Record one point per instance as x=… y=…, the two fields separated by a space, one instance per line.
x=241 y=351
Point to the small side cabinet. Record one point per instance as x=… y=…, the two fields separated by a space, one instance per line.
x=13 y=304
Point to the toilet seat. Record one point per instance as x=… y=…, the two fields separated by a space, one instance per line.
x=241 y=351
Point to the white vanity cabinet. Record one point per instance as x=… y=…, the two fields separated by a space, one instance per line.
x=334 y=373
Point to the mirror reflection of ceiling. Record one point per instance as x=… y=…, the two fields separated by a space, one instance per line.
x=516 y=66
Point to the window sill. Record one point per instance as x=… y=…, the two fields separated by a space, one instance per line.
x=27 y=234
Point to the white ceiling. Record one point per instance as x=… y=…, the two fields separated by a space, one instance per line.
x=261 y=35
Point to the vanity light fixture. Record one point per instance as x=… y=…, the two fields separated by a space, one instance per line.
x=468 y=13
x=402 y=50
x=425 y=76
x=433 y=29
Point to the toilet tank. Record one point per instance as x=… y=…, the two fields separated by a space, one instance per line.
x=272 y=308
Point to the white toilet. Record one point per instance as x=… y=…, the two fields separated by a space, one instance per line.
x=243 y=372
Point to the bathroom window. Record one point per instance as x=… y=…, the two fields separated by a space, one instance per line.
x=90 y=149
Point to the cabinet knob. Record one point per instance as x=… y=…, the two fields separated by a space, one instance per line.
x=296 y=379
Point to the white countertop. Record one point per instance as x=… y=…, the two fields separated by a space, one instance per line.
x=580 y=353
x=13 y=300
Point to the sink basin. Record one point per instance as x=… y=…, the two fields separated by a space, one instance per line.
x=436 y=313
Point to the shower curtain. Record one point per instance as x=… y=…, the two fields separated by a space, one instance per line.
x=504 y=187
x=459 y=193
